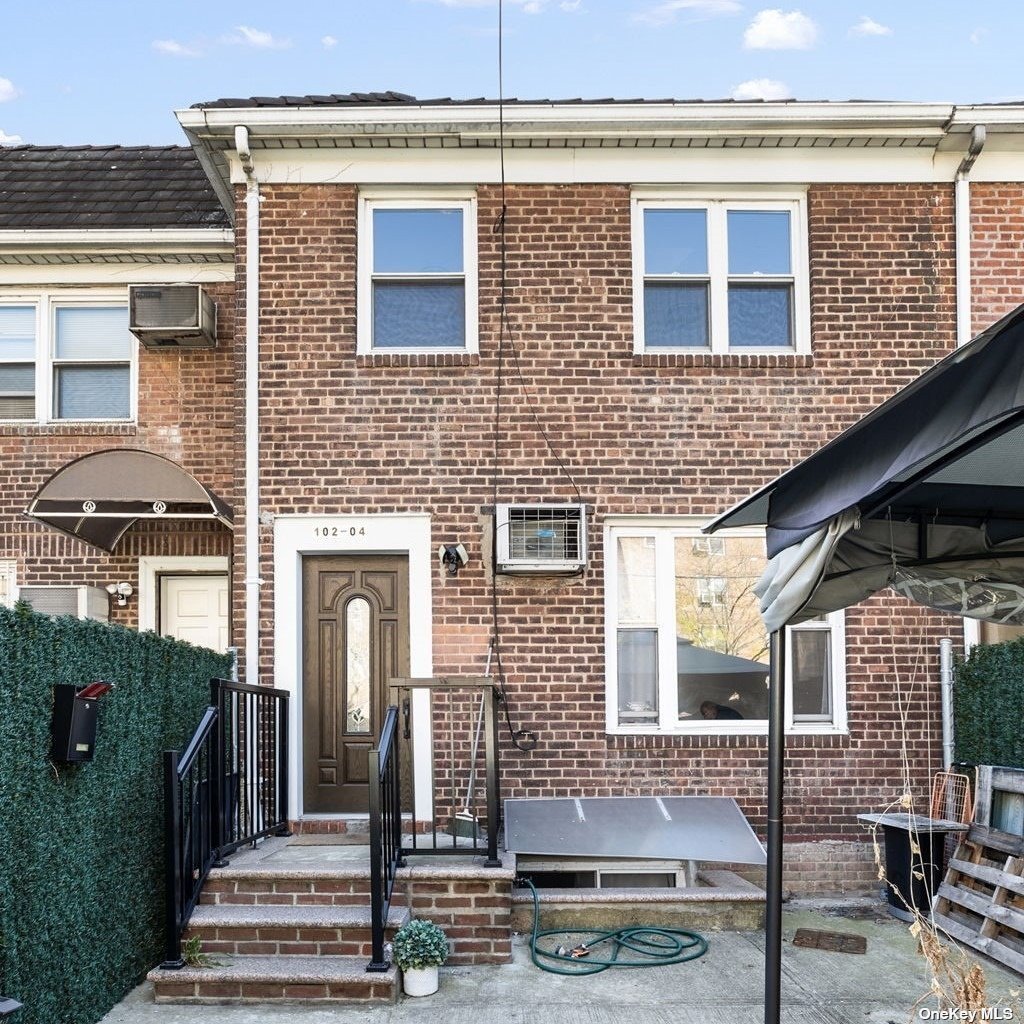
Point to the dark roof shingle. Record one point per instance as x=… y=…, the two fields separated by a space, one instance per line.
x=55 y=187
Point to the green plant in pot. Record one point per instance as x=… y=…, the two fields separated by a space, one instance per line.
x=419 y=948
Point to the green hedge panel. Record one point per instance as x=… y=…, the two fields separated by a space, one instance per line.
x=81 y=846
x=988 y=705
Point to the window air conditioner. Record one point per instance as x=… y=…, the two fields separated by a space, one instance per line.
x=82 y=602
x=172 y=316
x=541 y=540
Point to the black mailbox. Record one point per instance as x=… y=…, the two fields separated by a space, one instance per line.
x=75 y=713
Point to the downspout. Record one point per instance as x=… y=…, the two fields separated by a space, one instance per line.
x=962 y=232
x=946 y=682
x=253 y=581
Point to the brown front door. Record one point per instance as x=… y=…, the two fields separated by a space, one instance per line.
x=355 y=638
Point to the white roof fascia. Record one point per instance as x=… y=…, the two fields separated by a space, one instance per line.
x=178 y=240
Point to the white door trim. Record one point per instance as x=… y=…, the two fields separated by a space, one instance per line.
x=152 y=566
x=298 y=535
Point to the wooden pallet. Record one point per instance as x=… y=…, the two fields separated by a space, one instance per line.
x=981 y=901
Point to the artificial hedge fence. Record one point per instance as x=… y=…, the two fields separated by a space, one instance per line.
x=988 y=705
x=81 y=846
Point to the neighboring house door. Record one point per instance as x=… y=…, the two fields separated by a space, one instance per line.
x=195 y=608
x=355 y=638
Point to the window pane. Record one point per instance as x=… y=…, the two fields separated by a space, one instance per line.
x=636 y=580
x=638 y=676
x=675 y=242
x=721 y=643
x=675 y=314
x=759 y=242
x=17 y=408
x=357 y=666
x=417 y=241
x=17 y=379
x=93 y=332
x=17 y=332
x=416 y=314
x=760 y=315
x=92 y=392
x=812 y=673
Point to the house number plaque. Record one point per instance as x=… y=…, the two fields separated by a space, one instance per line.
x=339 y=531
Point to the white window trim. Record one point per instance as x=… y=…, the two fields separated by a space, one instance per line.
x=437 y=199
x=717 y=205
x=9 y=573
x=665 y=530
x=46 y=304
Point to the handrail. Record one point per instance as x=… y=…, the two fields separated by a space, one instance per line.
x=228 y=788
x=385 y=833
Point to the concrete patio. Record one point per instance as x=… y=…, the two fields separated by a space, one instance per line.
x=724 y=987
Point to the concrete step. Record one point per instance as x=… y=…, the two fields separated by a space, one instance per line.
x=288 y=930
x=271 y=979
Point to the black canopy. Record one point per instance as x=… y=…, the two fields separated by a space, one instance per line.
x=98 y=497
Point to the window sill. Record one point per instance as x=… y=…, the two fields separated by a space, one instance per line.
x=438 y=358
x=743 y=360
x=23 y=428
x=756 y=731
x=692 y=740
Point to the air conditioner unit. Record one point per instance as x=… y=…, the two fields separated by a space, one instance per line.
x=541 y=540
x=172 y=316
x=82 y=602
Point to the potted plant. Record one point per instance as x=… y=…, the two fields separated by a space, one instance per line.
x=419 y=948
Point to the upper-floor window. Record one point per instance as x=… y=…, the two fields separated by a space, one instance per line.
x=720 y=275
x=417 y=274
x=686 y=648
x=65 y=358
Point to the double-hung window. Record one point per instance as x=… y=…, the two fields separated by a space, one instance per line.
x=65 y=358
x=686 y=648
x=720 y=275
x=417 y=274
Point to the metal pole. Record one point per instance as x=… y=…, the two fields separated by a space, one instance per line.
x=377 y=963
x=946 y=680
x=491 y=726
x=773 y=887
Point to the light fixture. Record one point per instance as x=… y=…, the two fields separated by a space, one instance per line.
x=453 y=556
x=120 y=591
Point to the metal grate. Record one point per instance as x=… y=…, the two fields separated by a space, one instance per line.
x=540 y=534
x=951 y=797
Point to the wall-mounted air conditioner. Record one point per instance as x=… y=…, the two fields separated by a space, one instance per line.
x=172 y=316
x=541 y=540
x=82 y=602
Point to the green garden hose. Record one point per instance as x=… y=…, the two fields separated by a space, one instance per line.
x=638 y=946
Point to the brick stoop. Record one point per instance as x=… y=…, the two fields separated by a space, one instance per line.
x=263 y=979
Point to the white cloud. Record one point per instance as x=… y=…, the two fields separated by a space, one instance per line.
x=175 y=49
x=258 y=39
x=977 y=35
x=328 y=42
x=7 y=90
x=9 y=140
x=869 y=27
x=570 y=5
x=697 y=10
x=773 y=29
x=762 y=89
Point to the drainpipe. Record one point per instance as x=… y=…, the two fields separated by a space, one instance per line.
x=946 y=682
x=962 y=231
x=253 y=582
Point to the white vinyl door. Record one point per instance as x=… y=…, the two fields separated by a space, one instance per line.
x=195 y=608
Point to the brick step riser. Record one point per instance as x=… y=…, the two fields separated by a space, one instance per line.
x=354 y=940
x=316 y=892
x=219 y=992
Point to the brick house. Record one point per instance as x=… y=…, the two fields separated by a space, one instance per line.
x=696 y=296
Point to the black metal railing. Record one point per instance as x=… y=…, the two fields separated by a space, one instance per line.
x=385 y=833
x=228 y=788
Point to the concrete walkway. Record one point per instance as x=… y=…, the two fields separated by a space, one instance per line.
x=723 y=987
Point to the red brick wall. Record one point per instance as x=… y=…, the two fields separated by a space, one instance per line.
x=663 y=435
x=186 y=413
x=997 y=240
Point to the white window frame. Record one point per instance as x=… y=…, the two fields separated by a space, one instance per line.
x=717 y=207
x=665 y=531
x=46 y=304
x=433 y=199
x=9 y=574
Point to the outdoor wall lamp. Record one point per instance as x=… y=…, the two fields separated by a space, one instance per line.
x=453 y=557
x=121 y=591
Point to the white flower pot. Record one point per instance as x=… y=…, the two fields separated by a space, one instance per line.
x=420 y=981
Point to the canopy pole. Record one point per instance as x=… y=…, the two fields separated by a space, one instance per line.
x=773 y=886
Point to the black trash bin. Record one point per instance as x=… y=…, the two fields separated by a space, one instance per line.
x=912 y=878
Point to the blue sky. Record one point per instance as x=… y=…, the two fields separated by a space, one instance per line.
x=106 y=71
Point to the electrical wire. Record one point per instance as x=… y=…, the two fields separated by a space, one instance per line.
x=637 y=946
